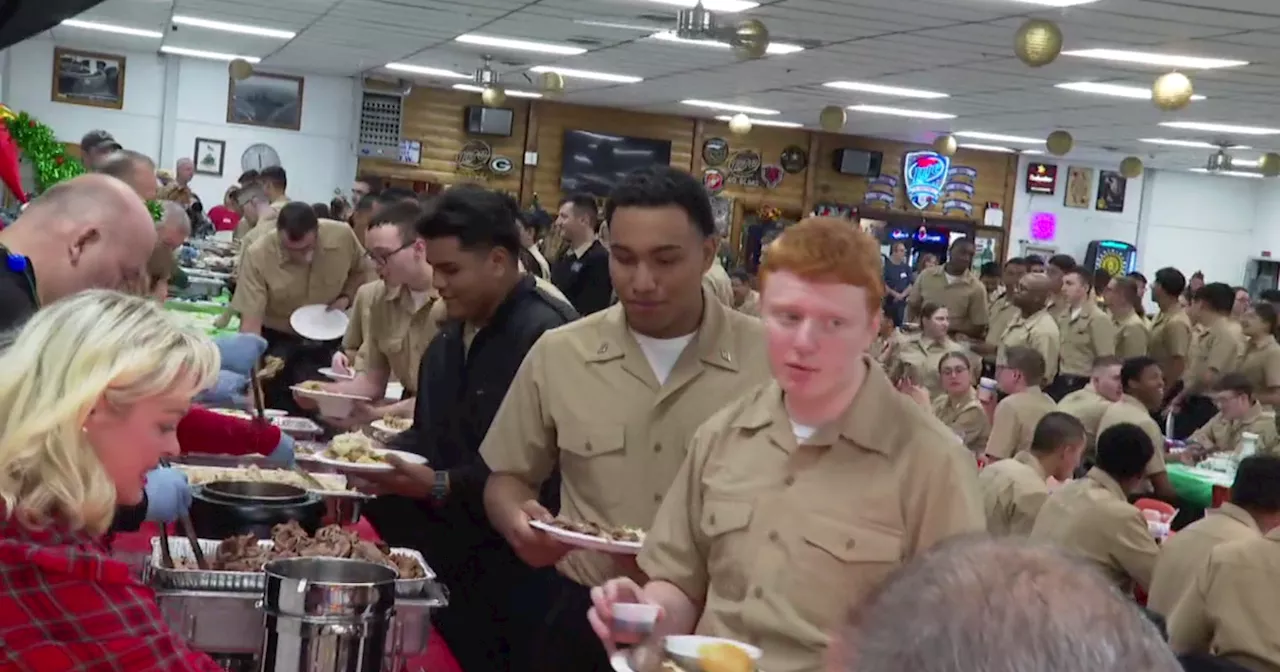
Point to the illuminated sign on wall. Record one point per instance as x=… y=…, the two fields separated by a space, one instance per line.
x=1042 y=178
x=924 y=173
x=921 y=235
x=1044 y=226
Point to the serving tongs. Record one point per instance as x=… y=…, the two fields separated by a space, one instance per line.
x=256 y=377
x=166 y=554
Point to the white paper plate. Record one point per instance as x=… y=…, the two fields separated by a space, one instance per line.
x=330 y=372
x=342 y=465
x=382 y=426
x=688 y=645
x=318 y=323
x=588 y=541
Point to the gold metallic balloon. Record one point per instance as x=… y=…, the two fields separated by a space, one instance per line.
x=6 y=113
x=240 y=69
x=832 y=118
x=740 y=124
x=1172 y=91
x=945 y=144
x=750 y=39
x=1269 y=164
x=1131 y=167
x=552 y=83
x=1038 y=42
x=493 y=96
x=1059 y=143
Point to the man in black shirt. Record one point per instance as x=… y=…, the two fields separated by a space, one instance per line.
x=495 y=314
x=582 y=270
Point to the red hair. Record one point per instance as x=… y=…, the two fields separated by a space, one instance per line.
x=828 y=249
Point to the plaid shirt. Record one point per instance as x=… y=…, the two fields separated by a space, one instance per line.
x=66 y=606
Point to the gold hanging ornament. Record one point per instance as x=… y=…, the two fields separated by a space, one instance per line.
x=1172 y=91
x=6 y=114
x=240 y=69
x=1131 y=167
x=832 y=118
x=1038 y=42
x=1269 y=164
x=493 y=95
x=552 y=83
x=740 y=124
x=750 y=40
x=945 y=144
x=1059 y=143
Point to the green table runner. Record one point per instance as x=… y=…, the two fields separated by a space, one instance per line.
x=1196 y=485
x=201 y=315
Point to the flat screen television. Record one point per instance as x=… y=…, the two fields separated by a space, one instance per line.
x=489 y=120
x=594 y=162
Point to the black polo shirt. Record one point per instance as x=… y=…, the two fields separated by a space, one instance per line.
x=18 y=300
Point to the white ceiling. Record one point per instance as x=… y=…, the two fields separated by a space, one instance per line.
x=961 y=47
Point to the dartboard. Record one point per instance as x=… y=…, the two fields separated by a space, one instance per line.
x=1113 y=262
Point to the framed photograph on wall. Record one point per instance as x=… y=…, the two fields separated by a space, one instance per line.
x=1111 y=188
x=87 y=78
x=1079 y=187
x=209 y=156
x=273 y=101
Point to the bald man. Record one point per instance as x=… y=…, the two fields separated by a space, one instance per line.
x=133 y=168
x=174 y=228
x=92 y=231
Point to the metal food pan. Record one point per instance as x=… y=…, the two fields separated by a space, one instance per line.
x=237 y=582
x=298 y=426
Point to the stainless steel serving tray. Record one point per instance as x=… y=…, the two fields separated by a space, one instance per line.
x=208 y=580
x=242 y=461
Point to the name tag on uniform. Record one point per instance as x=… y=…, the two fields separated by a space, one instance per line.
x=902 y=275
x=577 y=266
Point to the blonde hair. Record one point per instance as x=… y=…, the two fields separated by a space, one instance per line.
x=94 y=346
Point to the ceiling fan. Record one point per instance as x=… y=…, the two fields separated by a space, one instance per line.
x=749 y=38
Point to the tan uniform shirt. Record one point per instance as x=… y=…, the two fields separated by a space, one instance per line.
x=1217 y=348
x=273 y=287
x=1133 y=337
x=1170 y=338
x=1039 y=332
x=775 y=540
x=1087 y=406
x=1085 y=335
x=266 y=223
x=923 y=354
x=587 y=397
x=1012 y=493
x=1057 y=306
x=717 y=280
x=751 y=304
x=964 y=297
x=358 y=327
x=1233 y=605
x=1261 y=364
x=1223 y=435
x=1184 y=554
x=1130 y=410
x=401 y=327
x=1002 y=313
x=1015 y=420
x=965 y=418
x=1092 y=517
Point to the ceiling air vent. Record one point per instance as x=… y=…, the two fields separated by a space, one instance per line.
x=380 y=117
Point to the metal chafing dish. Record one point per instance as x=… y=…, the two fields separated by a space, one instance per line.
x=342 y=506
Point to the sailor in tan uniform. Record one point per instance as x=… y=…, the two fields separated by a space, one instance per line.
x=1014 y=422
x=1091 y=403
x=957 y=406
x=1133 y=334
x=1086 y=333
x=1238 y=413
x=1014 y=490
x=1033 y=326
x=1261 y=360
x=953 y=285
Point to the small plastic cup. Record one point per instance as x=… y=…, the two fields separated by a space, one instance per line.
x=632 y=622
x=986 y=389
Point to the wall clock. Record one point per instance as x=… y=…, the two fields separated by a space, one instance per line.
x=259 y=156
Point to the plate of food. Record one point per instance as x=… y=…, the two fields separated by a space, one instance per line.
x=619 y=540
x=336 y=374
x=337 y=405
x=356 y=452
x=391 y=424
x=692 y=652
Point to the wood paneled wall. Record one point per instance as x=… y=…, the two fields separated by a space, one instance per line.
x=768 y=141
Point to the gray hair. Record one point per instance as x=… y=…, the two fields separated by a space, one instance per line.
x=174 y=215
x=978 y=604
x=121 y=163
x=252 y=194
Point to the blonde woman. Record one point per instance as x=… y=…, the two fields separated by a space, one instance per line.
x=957 y=407
x=92 y=391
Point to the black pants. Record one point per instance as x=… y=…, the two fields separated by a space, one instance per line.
x=303 y=360
x=555 y=609
x=1065 y=384
x=1203 y=662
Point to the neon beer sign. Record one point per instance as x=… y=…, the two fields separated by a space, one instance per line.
x=924 y=173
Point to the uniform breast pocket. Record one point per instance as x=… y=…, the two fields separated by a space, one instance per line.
x=593 y=462
x=725 y=524
x=840 y=561
x=391 y=345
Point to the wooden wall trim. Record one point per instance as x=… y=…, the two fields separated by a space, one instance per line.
x=1010 y=191
x=530 y=145
x=811 y=173
x=695 y=157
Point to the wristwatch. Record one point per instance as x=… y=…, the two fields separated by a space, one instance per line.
x=440 y=487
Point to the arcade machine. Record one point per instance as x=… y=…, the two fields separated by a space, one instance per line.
x=1113 y=256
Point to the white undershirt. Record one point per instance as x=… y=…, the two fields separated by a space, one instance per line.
x=662 y=353
x=802 y=432
x=419 y=299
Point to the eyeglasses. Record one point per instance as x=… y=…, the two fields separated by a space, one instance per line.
x=954 y=370
x=381 y=259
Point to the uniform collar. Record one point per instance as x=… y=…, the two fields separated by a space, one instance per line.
x=1027 y=458
x=581 y=251
x=1130 y=400
x=1237 y=514
x=1038 y=315
x=1108 y=483
x=393 y=294
x=1262 y=343
x=969 y=399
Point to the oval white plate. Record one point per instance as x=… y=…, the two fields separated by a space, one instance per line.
x=330 y=372
x=688 y=645
x=384 y=427
x=343 y=465
x=318 y=323
x=588 y=541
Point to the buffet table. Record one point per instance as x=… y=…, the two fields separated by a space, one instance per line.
x=202 y=314
x=1200 y=487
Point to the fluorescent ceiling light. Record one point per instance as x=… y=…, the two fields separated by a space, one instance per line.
x=987 y=148
x=211 y=55
x=775 y=48
x=712 y=5
x=520 y=45
x=1195 y=144
x=614 y=24
x=424 y=70
x=1209 y=127
x=885 y=90
x=1055 y=3
x=1031 y=152
x=1227 y=173
x=900 y=112
x=232 y=27
x=111 y=28
x=514 y=93
x=766 y=122
x=1117 y=90
x=998 y=137
x=587 y=74
x=1162 y=60
x=729 y=107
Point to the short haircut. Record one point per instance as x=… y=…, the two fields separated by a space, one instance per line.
x=584 y=204
x=1136 y=277
x=1106 y=361
x=1266 y=311
x=967 y=240
x=274 y=175
x=659 y=186
x=1063 y=262
x=1198 y=275
x=1123 y=451
x=1081 y=273
x=1027 y=361
x=989 y=270
x=1034 y=260
x=173 y=212
x=296 y=220
x=1015 y=261
x=1234 y=382
x=251 y=194
x=1257 y=484
x=160 y=266
x=1128 y=290
x=1217 y=297
x=375 y=183
x=1171 y=281
x=121 y=164
x=827 y=249
x=1133 y=369
x=404 y=216
x=1056 y=430
x=366 y=203
x=322 y=210
x=248 y=177
x=392 y=195
x=481 y=220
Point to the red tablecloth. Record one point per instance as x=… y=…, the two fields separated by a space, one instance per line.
x=437 y=659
